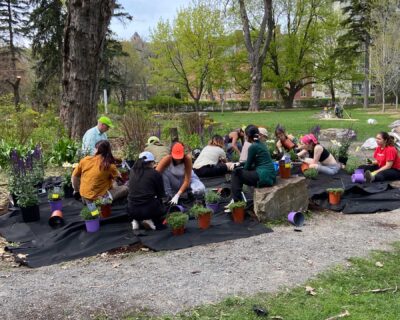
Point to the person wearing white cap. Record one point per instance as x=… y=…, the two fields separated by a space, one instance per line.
x=146 y=190
x=158 y=149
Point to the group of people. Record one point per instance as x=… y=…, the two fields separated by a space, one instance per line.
x=162 y=175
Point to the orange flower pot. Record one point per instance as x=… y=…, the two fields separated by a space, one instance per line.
x=105 y=211
x=178 y=231
x=334 y=198
x=204 y=221
x=288 y=144
x=304 y=166
x=284 y=172
x=238 y=215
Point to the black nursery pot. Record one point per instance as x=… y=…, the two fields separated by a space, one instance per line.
x=68 y=191
x=343 y=160
x=31 y=213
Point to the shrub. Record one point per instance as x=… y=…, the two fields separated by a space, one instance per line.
x=193 y=123
x=65 y=150
x=177 y=219
x=198 y=210
x=238 y=204
x=212 y=197
x=352 y=164
x=311 y=173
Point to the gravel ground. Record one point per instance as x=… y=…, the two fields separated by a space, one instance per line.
x=169 y=282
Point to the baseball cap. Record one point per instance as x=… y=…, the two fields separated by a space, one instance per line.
x=148 y=156
x=152 y=140
x=106 y=121
x=178 y=151
x=263 y=131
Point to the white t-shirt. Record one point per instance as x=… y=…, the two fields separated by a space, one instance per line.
x=210 y=155
x=244 y=152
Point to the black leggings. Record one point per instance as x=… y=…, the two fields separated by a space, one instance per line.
x=385 y=175
x=212 y=170
x=153 y=210
x=240 y=177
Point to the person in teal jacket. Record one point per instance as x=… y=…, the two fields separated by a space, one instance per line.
x=258 y=170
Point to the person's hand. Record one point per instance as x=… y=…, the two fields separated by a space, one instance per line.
x=230 y=165
x=175 y=199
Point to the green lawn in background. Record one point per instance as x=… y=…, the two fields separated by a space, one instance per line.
x=299 y=122
x=340 y=289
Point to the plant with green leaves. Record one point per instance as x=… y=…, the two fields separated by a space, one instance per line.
x=238 y=204
x=335 y=190
x=198 y=210
x=311 y=173
x=87 y=214
x=352 y=164
x=212 y=197
x=177 y=220
x=103 y=201
x=55 y=194
x=65 y=150
x=27 y=195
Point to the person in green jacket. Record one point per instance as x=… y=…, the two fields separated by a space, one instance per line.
x=258 y=170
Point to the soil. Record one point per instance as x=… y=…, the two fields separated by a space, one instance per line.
x=114 y=284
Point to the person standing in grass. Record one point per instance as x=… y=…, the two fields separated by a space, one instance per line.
x=258 y=170
x=317 y=156
x=96 y=134
x=146 y=191
x=94 y=177
x=386 y=166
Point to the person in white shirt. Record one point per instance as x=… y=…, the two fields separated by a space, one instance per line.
x=212 y=159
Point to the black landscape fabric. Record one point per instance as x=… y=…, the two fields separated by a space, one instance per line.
x=44 y=245
x=357 y=198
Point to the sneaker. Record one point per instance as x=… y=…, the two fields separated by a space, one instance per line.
x=368 y=176
x=227 y=206
x=135 y=225
x=148 y=225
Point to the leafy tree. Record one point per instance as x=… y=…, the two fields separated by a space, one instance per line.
x=291 y=64
x=359 y=24
x=13 y=21
x=187 y=51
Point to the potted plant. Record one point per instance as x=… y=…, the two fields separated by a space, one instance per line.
x=177 y=222
x=334 y=195
x=311 y=173
x=67 y=183
x=212 y=200
x=28 y=201
x=304 y=166
x=104 y=203
x=237 y=209
x=91 y=218
x=55 y=196
x=203 y=215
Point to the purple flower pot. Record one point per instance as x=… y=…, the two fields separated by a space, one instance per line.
x=213 y=206
x=358 y=178
x=296 y=218
x=92 y=225
x=359 y=171
x=177 y=208
x=56 y=205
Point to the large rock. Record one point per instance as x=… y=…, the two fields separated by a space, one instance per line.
x=277 y=201
x=337 y=134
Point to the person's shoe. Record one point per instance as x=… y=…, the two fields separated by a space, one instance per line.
x=369 y=177
x=148 y=224
x=227 y=206
x=135 y=225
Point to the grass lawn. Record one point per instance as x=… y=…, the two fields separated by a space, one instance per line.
x=344 y=288
x=299 y=122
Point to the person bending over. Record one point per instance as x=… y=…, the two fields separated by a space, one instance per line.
x=234 y=142
x=258 y=170
x=285 y=142
x=318 y=157
x=94 y=177
x=386 y=164
x=177 y=173
x=146 y=190
x=212 y=159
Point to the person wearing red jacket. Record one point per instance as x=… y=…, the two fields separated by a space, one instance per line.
x=386 y=164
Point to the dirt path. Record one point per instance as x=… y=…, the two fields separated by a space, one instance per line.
x=172 y=281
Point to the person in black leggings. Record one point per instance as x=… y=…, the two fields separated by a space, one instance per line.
x=146 y=190
x=386 y=164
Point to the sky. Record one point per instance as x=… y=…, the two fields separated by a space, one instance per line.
x=146 y=14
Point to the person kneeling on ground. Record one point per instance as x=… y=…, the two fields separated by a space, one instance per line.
x=386 y=166
x=158 y=149
x=94 y=177
x=146 y=190
x=234 y=142
x=177 y=173
x=258 y=169
x=286 y=142
x=212 y=159
x=319 y=157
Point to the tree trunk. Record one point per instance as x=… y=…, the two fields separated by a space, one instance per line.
x=332 y=90
x=397 y=101
x=255 y=88
x=84 y=39
x=366 y=72
x=383 y=98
